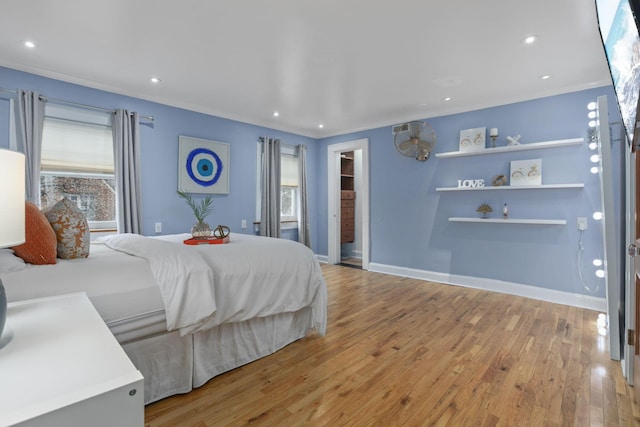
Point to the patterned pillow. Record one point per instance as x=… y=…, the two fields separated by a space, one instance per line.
x=39 y=246
x=71 y=229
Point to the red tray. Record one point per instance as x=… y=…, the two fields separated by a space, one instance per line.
x=207 y=241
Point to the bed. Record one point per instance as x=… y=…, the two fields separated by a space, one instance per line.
x=185 y=314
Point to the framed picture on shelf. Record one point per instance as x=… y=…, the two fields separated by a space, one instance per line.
x=472 y=139
x=526 y=172
x=203 y=166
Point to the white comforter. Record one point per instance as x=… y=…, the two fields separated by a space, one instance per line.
x=204 y=286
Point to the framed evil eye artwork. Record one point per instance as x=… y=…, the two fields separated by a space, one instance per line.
x=203 y=166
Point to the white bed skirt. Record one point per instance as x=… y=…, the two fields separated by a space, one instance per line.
x=172 y=364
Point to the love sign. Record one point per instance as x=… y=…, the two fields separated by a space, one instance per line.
x=470 y=183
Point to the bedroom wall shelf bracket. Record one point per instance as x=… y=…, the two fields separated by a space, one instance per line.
x=510 y=221
x=511 y=148
x=511 y=187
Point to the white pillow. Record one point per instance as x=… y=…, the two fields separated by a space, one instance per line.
x=9 y=262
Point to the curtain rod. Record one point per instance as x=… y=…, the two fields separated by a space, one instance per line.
x=261 y=138
x=74 y=104
x=282 y=144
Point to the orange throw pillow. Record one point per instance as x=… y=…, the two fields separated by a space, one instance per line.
x=40 y=240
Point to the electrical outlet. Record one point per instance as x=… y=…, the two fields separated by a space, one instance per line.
x=158 y=227
x=244 y=224
x=582 y=223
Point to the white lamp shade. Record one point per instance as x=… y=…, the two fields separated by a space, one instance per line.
x=12 y=220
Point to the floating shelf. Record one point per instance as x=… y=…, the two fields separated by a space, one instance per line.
x=512 y=187
x=510 y=221
x=511 y=148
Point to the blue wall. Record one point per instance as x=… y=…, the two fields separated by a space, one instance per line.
x=159 y=154
x=409 y=219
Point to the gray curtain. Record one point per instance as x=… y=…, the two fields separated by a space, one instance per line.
x=126 y=157
x=270 y=203
x=304 y=230
x=29 y=117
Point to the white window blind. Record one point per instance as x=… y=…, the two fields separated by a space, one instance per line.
x=76 y=147
x=288 y=171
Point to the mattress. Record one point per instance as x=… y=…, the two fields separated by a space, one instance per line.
x=121 y=288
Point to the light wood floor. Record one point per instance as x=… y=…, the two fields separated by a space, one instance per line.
x=351 y=262
x=404 y=352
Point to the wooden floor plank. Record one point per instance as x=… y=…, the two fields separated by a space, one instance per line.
x=402 y=351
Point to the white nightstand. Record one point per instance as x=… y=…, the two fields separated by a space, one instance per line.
x=63 y=367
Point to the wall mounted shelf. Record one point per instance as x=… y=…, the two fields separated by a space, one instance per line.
x=510 y=221
x=512 y=148
x=511 y=187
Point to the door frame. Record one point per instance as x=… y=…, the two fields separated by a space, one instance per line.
x=630 y=273
x=611 y=258
x=333 y=193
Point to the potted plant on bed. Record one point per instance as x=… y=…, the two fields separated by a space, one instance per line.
x=200 y=230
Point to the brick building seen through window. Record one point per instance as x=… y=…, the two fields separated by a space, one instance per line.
x=93 y=196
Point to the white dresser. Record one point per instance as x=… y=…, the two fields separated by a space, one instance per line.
x=63 y=367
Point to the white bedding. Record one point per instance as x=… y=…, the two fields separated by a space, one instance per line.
x=267 y=274
x=184 y=278
x=123 y=289
x=204 y=286
x=120 y=286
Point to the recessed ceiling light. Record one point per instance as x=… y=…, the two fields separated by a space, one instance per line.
x=276 y=114
x=448 y=98
x=529 y=39
x=29 y=44
x=155 y=80
x=545 y=77
x=320 y=125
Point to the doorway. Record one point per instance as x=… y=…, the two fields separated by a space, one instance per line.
x=356 y=184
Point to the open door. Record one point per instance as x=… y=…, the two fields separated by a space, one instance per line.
x=333 y=190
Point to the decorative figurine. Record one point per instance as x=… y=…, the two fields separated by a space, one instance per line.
x=513 y=140
x=499 y=180
x=484 y=209
x=505 y=212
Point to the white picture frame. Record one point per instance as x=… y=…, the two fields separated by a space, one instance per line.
x=203 y=166
x=525 y=172
x=472 y=140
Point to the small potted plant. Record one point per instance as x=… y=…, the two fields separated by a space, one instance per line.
x=484 y=209
x=200 y=230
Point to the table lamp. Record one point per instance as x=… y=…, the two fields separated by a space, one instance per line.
x=12 y=222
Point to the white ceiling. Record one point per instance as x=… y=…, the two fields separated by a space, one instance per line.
x=348 y=64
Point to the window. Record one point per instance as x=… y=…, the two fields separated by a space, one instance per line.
x=288 y=186
x=77 y=163
x=289 y=182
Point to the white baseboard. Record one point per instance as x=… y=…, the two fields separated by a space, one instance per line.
x=544 y=294
x=322 y=258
